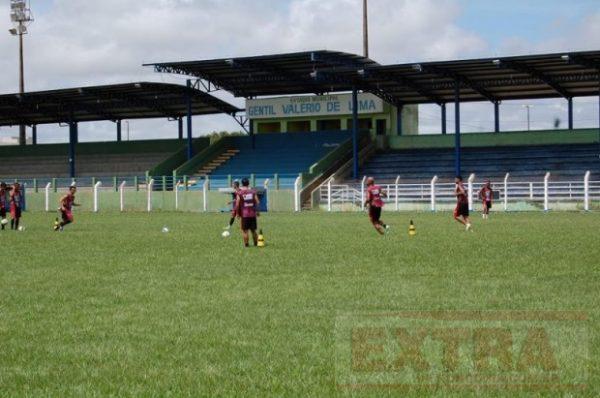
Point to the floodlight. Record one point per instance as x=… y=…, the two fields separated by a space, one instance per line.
x=418 y=67
x=497 y=62
x=566 y=57
x=13 y=31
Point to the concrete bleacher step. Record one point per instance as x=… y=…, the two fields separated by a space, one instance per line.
x=218 y=161
x=564 y=162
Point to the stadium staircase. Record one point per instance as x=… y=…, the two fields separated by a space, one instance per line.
x=564 y=162
x=283 y=154
x=218 y=161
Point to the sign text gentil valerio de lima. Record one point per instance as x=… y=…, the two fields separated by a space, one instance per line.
x=456 y=350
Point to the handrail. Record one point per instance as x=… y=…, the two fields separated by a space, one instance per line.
x=206 y=155
x=174 y=161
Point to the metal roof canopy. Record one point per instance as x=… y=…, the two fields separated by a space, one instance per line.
x=110 y=102
x=292 y=73
x=559 y=75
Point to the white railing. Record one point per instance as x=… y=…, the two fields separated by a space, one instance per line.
x=470 y=190
x=122 y=195
x=150 y=186
x=297 y=193
x=47 y=196
x=543 y=194
x=96 y=188
x=205 y=189
x=434 y=181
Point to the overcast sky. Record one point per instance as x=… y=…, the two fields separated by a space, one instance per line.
x=85 y=42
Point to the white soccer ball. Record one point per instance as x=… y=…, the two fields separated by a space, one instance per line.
x=165 y=230
x=226 y=234
x=21 y=228
x=4 y=221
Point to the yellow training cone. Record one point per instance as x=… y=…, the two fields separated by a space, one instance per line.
x=261 y=239
x=412 y=231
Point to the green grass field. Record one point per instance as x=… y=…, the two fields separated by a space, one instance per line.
x=114 y=307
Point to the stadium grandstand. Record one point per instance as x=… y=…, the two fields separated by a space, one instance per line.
x=394 y=150
x=101 y=103
x=317 y=114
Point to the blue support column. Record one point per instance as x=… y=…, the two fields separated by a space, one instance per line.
x=399 y=119
x=118 y=131
x=180 y=127
x=354 y=133
x=190 y=147
x=457 y=165
x=570 y=110
x=496 y=116
x=72 y=142
x=444 y=129
x=251 y=133
x=34 y=134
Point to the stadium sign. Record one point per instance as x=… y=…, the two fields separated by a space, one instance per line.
x=318 y=105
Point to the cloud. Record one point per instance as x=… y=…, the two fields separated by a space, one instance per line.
x=82 y=42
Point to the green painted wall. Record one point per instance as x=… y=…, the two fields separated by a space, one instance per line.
x=544 y=137
x=136 y=201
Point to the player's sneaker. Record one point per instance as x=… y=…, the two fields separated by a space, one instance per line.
x=468 y=227
x=227 y=228
x=387 y=228
x=56 y=225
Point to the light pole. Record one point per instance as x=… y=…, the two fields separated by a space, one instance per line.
x=21 y=17
x=528 y=107
x=365 y=29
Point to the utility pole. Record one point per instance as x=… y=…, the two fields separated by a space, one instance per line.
x=365 y=29
x=528 y=107
x=21 y=17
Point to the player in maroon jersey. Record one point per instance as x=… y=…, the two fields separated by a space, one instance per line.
x=3 y=205
x=15 y=206
x=66 y=209
x=374 y=203
x=236 y=188
x=461 y=212
x=247 y=208
x=486 y=194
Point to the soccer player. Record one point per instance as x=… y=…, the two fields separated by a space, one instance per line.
x=3 y=204
x=486 y=194
x=66 y=209
x=247 y=208
x=15 y=206
x=374 y=203
x=461 y=213
x=236 y=188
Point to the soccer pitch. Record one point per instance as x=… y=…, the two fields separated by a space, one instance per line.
x=114 y=306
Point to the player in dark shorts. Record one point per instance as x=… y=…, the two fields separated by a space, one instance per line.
x=15 y=206
x=66 y=209
x=374 y=203
x=247 y=208
x=461 y=212
x=236 y=188
x=4 y=204
x=486 y=194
